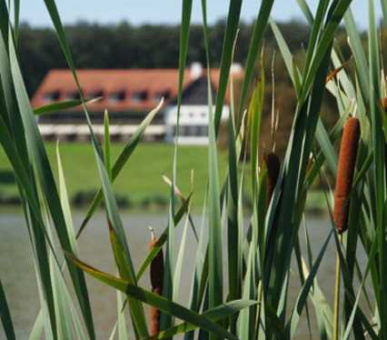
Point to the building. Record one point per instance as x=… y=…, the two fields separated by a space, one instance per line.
x=129 y=95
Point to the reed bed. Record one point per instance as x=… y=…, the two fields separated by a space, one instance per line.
x=259 y=261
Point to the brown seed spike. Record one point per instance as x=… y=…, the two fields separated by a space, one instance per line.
x=384 y=104
x=154 y=317
x=273 y=165
x=345 y=172
x=156 y=279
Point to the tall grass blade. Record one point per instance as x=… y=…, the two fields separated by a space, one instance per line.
x=215 y=314
x=303 y=295
x=335 y=15
x=37 y=150
x=227 y=56
x=306 y=11
x=121 y=249
x=60 y=106
x=215 y=245
x=194 y=303
x=121 y=321
x=37 y=329
x=233 y=226
x=119 y=164
x=180 y=261
x=5 y=315
x=107 y=155
x=166 y=320
x=64 y=199
x=16 y=18
x=379 y=177
x=254 y=49
x=286 y=55
x=356 y=45
x=155 y=300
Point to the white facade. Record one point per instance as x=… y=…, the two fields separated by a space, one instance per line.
x=193 y=123
x=81 y=131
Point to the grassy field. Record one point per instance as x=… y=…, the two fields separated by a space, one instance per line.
x=140 y=179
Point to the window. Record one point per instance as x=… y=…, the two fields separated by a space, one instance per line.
x=95 y=94
x=203 y=130
x=52 y=96
x=117 y=96
x=73 y=95
x=162 y=94
x=194 y=131
x=184 y=130
x=139 y=96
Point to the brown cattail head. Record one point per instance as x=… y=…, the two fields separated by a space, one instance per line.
x=154 y=318
x=345 y=172
x=157 y=266
x=273 y=165
x=156 y=279
x=384 y=104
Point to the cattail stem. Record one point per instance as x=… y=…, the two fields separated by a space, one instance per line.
x=260 y=296
x=337 y=295
x=345 y=172
x=156 y=279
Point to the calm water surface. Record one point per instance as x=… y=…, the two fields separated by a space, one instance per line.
x=18 y=277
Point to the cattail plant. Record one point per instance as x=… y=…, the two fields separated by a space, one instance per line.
x=345 y=172
x=156 y=279
x=273 y=165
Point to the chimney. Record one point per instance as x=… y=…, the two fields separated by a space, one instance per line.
x=196 y=70
x=236 y=68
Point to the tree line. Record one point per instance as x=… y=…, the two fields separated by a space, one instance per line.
x=127 y=46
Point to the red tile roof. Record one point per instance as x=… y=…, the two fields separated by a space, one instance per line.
x=128 y=82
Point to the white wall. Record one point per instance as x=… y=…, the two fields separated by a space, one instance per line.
x=193 y=123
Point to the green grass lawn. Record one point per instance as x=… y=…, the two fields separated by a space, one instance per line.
x=140 y=178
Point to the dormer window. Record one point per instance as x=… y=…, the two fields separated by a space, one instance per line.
x=162 y=94
x=95 y=94
x=118 y=96
x=73 y=95
x=51 y=96
x=139 y=96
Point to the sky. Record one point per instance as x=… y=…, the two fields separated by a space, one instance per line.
x=139 y=12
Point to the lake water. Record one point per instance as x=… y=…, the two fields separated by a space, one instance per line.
x=18 y=277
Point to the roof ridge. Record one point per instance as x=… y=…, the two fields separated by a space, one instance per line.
x=82 y=69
